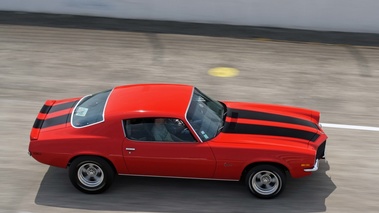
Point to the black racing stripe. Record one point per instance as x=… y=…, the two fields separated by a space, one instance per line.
x=59 y=107
x=68 y=118
x=55 y=121
x=236 y=128
x=315 y=137
x=38 y=123
x=264 y=116
x=45 y=109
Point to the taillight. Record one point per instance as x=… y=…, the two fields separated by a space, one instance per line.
x=34 y=134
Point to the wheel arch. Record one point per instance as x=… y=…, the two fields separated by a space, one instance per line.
x=87 y=155
x=251 y=165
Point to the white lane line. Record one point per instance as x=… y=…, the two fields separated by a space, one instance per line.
x=344 y=126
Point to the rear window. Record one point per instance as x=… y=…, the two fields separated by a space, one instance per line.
x=90 y=109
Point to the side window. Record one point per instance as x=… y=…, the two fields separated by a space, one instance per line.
x=138 y=129
x=157 y=129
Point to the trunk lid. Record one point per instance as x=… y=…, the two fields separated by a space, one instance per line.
x=53 y=114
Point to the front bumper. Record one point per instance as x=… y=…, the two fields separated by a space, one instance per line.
x=320 y=154
x=315 y=167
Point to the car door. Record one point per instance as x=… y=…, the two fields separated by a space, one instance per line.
x=181 y=156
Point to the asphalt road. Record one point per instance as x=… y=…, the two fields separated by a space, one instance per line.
x=45 y=62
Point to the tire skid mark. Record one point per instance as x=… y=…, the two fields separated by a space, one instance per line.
x=363 y=64
x=158 y=49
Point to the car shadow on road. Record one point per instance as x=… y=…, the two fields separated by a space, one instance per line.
x=143 y=194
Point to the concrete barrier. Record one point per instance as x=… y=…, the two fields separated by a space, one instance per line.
x=323 y=15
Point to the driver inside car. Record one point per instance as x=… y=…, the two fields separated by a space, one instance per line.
x=160 y=132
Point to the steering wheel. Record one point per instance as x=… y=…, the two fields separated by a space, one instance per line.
x=175 y=126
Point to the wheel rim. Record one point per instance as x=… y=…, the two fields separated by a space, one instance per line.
x=90 y=175
x=265 y=182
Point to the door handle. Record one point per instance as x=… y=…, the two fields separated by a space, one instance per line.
x=130 y=149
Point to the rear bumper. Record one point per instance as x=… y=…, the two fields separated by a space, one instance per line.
x=315 y=167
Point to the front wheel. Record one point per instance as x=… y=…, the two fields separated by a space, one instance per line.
x=91 y=174
x=266 y=181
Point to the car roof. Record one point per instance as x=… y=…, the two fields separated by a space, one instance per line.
x=149 y=100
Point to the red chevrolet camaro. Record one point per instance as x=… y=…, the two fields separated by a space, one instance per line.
x=171 y=130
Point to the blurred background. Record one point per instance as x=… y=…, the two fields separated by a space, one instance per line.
x=322 y=55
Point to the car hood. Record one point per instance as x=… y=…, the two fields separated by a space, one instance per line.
x=271 y=121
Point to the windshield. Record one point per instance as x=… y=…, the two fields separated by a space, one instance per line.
x=205 y=115
x=90 y=109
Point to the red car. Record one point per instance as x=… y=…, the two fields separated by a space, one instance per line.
x=171 y=130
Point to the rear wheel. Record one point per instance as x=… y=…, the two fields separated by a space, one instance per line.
x=91 y=174
x=266 y=181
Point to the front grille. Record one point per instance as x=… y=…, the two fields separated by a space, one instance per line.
x=321 y=151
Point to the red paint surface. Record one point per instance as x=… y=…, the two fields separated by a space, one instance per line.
x=224 y=157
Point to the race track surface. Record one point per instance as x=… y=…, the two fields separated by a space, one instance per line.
x=46 y=62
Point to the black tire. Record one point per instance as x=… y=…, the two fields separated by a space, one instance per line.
x=266 y=181
x=91 y=174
